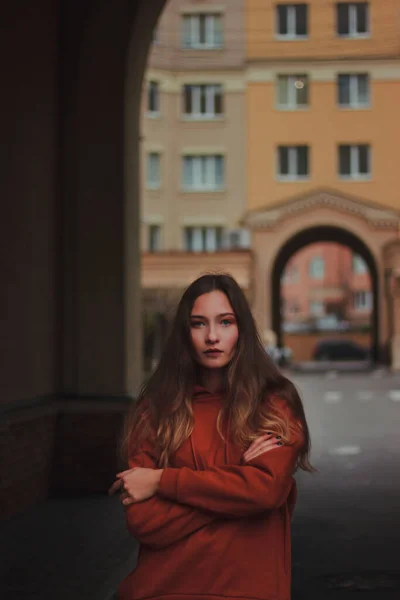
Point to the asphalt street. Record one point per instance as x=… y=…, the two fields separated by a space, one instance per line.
x=345 y=528
x=347 y=522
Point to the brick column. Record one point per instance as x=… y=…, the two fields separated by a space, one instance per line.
x=391 y=255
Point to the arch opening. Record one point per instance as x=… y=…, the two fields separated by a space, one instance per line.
x=311 y=236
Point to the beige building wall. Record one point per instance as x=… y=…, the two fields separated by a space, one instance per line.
x=173 y=134
x=168 y=53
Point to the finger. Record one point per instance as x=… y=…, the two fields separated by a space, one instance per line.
x=262 y=449
x=128 y=501
x=115 y=486
x=119 y=475
x=260 y=440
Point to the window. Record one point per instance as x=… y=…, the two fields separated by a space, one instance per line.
x=362 y=300
x=203 y=101
x=153 y=178
x=290 y=274
x=234 y=239
x=317 y=268
x=154 y=238
x=202 y=31
x=292 y=91
x=153 y=97
x=293 y=162
x=291 y=21
x=352 y=19
x=294 y=308
x=359 y=265
x=354 y=161
x=317 y=308
x=203 y=239
x=353 y=90
x=203 y=173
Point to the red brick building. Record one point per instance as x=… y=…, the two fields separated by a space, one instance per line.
x=326 y=280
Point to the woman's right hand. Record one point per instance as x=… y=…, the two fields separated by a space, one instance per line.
x=262 y=444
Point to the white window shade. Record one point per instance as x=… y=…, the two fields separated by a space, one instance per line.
x=202 y=31
x=203 y=173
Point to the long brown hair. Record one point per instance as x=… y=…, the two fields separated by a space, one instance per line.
x=163 y=410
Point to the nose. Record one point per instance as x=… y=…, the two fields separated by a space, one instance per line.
x=212 y=336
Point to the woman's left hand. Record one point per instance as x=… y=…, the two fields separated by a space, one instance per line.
x=136 y=484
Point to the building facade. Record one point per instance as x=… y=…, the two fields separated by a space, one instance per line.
x=323 y=84
x=193 y=130
x=268 y=126
x=323 y=281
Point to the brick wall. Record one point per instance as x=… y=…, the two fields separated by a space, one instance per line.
x=86 y=450
x=26 y=450
x=58 y=448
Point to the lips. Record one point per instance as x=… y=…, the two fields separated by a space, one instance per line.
x=213 y=351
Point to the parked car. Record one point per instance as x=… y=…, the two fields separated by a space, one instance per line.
x=336 y=349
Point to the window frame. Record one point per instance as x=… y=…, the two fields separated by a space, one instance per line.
x=367 y=305
x=195 y=23
x=291 y=17
x=153 y=185
x=356 y=261
x=355 y=159
x=156 y=87
x=321 y=306
x=313 y=273
x=292 y=106
x=201 y=240
x=354 y=87
x=292 y=160
x=290 y=275
x=352 y=18
x=201 y=166
x=211 y=92
x=154 y=228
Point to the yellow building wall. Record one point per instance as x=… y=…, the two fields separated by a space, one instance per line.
x=322 y=127
x=322 y=40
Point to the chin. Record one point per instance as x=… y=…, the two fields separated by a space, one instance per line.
x=215 y=364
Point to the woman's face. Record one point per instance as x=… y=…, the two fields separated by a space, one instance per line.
x=214 y=330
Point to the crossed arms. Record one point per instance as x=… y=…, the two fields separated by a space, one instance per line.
x=188 y=500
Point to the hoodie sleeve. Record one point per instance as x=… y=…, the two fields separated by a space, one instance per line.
x=260 y=485
x=159 y=522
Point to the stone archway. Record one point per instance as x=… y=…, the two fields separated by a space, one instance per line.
x=326 y=234
x=107 y=46
x=367 y=227
x=70 y=238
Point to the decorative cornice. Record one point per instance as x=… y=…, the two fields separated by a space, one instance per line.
x=375 y=216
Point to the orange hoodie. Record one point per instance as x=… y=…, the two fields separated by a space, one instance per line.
x=218 y=528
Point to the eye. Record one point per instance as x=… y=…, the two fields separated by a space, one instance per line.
x=226 y=322
x=196 y=324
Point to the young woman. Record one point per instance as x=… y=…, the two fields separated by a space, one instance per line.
x=212 y=445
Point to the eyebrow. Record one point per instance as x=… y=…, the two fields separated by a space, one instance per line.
x=227 y=314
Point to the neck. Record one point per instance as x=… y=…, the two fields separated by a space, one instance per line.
x=212 y=379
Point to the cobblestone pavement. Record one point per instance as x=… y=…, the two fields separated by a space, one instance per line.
x=345 y=528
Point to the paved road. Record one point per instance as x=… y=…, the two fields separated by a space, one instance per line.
x=345 y=529
x=347 y=522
